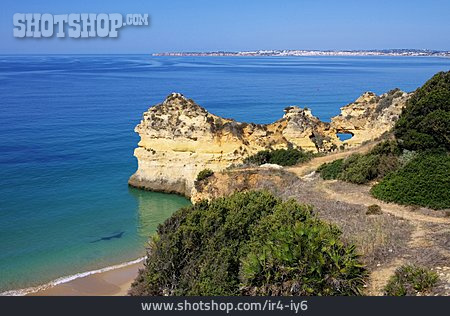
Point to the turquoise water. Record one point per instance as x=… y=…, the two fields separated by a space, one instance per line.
x=67 y=140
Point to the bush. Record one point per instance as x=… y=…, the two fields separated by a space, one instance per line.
x=205 y=173
x=414 y=169
x=357 y=168
x=282 y=157
x=409 y=280
x=425 y=121
x=387 y=147
x=293 y=253
x=387 y=100
x=424 y=181
x=374 y=209
x=387 y=164
x=248 y=243
x=260 y=158
x=332 y=170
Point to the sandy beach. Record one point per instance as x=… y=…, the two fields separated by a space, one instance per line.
x=109 y=283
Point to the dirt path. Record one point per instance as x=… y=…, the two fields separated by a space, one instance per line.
x=425 y=243
x=421 y=237
x=306 y=168
x=315 y=163
x=362 y=197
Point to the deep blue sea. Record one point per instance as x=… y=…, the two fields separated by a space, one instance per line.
x=67 y=140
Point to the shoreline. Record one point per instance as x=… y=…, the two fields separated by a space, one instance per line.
x=109 y=281
x=310 y=53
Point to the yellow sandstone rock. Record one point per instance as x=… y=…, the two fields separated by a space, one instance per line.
x=370 y=116
x=179 y=138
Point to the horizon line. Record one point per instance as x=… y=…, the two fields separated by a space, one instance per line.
x=379 y=50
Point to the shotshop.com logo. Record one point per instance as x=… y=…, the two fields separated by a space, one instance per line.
x=74 y=25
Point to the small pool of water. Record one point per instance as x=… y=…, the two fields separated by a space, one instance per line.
x=344 y=136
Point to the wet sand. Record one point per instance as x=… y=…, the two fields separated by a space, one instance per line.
x=110 y=283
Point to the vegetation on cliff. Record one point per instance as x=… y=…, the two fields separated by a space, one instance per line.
x=249 y=244
x=282 y=157
x=424 y=127
x=425 y=122
x=205 y=173
x=358 y=168
x=424 y=181
x=413 y=169
x=253 y=243
x=410 y=280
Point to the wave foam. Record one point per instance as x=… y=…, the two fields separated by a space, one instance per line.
x=65 y=279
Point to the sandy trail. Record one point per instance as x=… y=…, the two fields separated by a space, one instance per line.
x=364 y=198
x=420 y=236
x=313 y=164
x=419 y=239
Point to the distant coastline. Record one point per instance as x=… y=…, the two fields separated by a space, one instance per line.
x=290 y=52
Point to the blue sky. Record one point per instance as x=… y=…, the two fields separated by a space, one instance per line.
x=200 y=25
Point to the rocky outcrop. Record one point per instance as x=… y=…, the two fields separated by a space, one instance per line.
x=370 y=116
x=239 y=180
x=179 y=138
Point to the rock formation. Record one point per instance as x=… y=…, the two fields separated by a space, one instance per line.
x=370 y=116
x=179 y=138
x=237 y=180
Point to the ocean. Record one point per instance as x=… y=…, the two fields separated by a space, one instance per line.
x=67 y=140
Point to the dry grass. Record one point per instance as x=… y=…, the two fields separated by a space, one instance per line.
x=378 y=238
x=400 y=235
x=429 y=242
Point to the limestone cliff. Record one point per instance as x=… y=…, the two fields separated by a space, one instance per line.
x=370 y=116
x=237 y=180
x=179 y=138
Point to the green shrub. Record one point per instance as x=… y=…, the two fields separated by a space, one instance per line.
x=282 y=157
x=425 y=121
x=423 y=133
x=260 y=158
x=409 y=280
x=332 y=170
x=205 y=173
x=289 y=157
x=357 y=168
x=293 y=253
x=216 y=248
x=387 y=147
x=387 y=164
x=424 y=181
x=374 y=209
